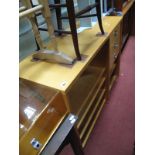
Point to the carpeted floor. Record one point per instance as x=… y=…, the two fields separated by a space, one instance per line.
x=114 y=131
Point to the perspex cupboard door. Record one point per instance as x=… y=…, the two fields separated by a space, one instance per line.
x=41 y=110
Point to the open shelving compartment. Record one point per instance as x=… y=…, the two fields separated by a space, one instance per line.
x=88 y=93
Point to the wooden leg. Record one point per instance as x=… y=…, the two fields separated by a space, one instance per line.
x=38 y=48
x=76 y=142
x=32 y=19
x=36 y=32
x=35 y=18
x=46 y=12
x=58 y=15
x=99 y=17
x=72 y=22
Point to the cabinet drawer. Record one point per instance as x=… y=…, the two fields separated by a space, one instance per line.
x=117 y=37
x=114 y=45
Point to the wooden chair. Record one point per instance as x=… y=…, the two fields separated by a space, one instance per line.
x=27 y=10
x=72 y=19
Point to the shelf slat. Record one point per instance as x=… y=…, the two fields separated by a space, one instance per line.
x=91 y=91
x=112 y=82
x=92 y=114
x=91 y=103
x=93 y=124
x=113 y=68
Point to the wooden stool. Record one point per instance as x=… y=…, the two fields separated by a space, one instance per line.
x=72 y=19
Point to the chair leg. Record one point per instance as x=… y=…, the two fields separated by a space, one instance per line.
x=99 y=17
x=35 y=18
x=58 y=15
x=72 y=22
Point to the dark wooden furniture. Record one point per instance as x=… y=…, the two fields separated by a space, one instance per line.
x=72 y=19
x=117 y=5
x=127 y=7
x=66 y=134
x=128 y=22
x=120 y=4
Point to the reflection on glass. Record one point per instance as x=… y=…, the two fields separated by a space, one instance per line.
x=29 y=112
x=21 y=126
x=32 y=100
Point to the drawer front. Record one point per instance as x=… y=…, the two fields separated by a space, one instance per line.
x=117 y=36
x=114 y=45
x=44 y=127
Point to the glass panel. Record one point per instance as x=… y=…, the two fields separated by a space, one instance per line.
x=32 y=100
x=83 y=88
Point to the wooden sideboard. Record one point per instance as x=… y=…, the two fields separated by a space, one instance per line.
x=86 y=84
x=120 y=5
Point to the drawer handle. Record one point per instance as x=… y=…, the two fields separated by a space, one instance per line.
x=116 y=45
x=35 y=144
x=115 y=56
x=115 y=33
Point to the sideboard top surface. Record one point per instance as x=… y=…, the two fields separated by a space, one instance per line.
x=60 y=76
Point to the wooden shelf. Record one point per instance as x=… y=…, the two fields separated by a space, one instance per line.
x=114 y=77
x=92 y=90
x=113 y=69
x=84 y=130
x=82 y=90
x=93 y=123
x=90 y=103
